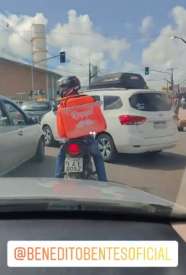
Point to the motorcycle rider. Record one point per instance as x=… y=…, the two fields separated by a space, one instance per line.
x=70 y=86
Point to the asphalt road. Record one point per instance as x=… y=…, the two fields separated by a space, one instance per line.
x=161 y=175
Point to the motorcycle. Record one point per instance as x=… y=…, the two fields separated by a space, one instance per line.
x=78 y=161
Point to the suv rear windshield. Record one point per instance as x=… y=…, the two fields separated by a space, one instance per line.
x=150 y=102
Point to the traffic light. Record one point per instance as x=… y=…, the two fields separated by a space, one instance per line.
x=146 y=70
x=62 y=57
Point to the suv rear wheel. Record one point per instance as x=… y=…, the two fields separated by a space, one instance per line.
x=106 y=147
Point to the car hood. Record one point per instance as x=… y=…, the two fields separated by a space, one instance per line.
x=81 y=191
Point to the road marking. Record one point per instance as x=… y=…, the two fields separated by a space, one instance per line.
x=181 y=195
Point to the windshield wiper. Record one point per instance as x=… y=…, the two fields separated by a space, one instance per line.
x=135 y=210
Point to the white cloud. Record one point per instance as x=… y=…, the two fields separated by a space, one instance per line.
x=82 y=43
x=146 y=25
x=131 y=67
x=15 y=35
x=179 y=15
x=77 y=37
x=163 y=53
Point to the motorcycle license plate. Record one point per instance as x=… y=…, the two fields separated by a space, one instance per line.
x=73 y=165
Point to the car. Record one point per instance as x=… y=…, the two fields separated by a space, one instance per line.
x=73 y=215
x=21 y=137
x=36 y=108
x=138 y=121
x=18 y=102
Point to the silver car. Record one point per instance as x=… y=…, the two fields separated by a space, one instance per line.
x=21 y=137
x=36 y=108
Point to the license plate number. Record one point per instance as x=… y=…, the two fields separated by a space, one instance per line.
x=160 y=124
x=73 y=165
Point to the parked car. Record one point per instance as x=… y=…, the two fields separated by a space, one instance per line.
x=36 y=108
x=18 y=102
x=138 y=121
x=21 y=137
x=35 y=209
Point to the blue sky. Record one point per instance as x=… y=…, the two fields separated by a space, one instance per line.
x=114 y=19
x=109 y=16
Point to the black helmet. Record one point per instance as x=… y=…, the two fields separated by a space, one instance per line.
x=68 y=85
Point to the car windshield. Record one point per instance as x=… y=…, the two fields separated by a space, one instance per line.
x=34 y=106
x=92 y=106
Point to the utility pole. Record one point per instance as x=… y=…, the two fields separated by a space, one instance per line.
x=93 y=72
x=32 y=76
x=172 y=79
x=167 y=85
x=89 y=74
x=32 y=66
x=171 y=74
x=178 y=89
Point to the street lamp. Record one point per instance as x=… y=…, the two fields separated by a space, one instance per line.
x=178 y=37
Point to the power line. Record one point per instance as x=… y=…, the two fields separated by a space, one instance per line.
x=156 y=80
x=25 y=40
x=71 y=33
x=29 y=41
x=8 y=25
x=8 y=28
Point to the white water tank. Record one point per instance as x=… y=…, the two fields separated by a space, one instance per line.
x=39 y=50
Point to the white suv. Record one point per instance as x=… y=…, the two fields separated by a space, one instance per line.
x=138 y=121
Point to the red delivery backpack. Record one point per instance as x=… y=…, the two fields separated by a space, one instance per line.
x=77 y=116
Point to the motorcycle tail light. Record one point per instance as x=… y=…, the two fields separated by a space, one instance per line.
x=73 y=149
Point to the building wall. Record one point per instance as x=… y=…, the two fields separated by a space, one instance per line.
x=16 y=78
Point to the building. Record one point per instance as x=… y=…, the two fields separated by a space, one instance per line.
x=17 y=80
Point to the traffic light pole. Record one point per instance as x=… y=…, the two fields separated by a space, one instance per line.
x=46 y=59
x=89 y=67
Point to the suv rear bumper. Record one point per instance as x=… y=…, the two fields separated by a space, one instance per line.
x=141 y=146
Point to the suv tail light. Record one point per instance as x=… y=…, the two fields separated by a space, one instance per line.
x=73 y=149
x=131 y=120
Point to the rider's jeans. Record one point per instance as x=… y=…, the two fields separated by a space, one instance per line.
x=94 y=151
